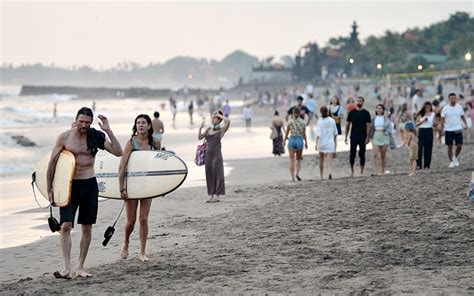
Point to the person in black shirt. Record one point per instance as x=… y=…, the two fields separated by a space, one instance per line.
x=358 y=121
x=304 y=111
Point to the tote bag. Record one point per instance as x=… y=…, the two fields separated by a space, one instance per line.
x=199 y=159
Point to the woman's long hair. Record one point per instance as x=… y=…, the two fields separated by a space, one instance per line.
x=422 y=111
x=338 y=103
x=151 y=140
x=383 y=108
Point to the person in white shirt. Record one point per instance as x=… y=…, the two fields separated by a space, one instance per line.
x=415 y=102
x=424 y=121
x=247 y=114
x=326 y=133
x=452 y=119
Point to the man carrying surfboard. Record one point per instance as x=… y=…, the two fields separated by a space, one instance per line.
x=84 y=142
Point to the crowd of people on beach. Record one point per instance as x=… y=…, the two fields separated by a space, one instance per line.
x=414 y=122
x=420 y=124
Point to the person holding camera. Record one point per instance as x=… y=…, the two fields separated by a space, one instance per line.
x=141 y=139
x=84 y=142
x=214 y=164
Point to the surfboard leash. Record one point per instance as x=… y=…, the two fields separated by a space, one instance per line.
x=121 y=210
x=33 y=177
x=33 y=181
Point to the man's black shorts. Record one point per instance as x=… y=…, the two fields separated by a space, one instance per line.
x=84 y=194
x=450 y=137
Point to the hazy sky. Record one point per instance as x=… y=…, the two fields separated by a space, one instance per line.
x=101 y=34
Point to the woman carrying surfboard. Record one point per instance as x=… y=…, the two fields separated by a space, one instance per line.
x=213 y=159
x=142 y=139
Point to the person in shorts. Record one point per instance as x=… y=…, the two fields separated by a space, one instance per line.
x=297 y=128
x=84 y=142
x=452 y=120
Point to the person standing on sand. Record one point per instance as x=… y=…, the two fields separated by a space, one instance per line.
x=424 y=121
x=412 y=143
x=380 y=132
x=247 y=115
x=358 y=122
x=213 y=159
x=84 y=142
x=304 y=111
x=158 y=127
x=297 y=128
x=55 y=113
x=277 y=126
x=226 y=109
x=190 y=111
x=326 y=133
x=452 y=119
x=142 y=139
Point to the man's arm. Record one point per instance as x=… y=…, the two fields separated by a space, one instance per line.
x=463 y=118
x=368 y=126
x=348 y=126
x=113 y=146
x=58 y=147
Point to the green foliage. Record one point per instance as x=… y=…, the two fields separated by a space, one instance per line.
x=453 y=37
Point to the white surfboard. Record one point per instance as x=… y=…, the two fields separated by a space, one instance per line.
x=62 y=181
x=149 y=174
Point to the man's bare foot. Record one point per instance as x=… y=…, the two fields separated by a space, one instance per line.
x=143 y=258
x=82 y=273
x=124 y=252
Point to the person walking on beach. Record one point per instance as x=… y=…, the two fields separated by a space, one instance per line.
x=248 y=114
x=158 y=127
x=142 y=139
x=452 y=119
x=326 y=133
x=412 y=143
x=84 y=142
x=403 y=116
x=358 y=122
x=297 y=127
x=226 y=109
x=174 y=111
x=304 y=111
x=337 y=113
x=190 y=111
x=277 y=127
x=55 y=113
x=380 y=133
x=424 y=121
x=214 y=164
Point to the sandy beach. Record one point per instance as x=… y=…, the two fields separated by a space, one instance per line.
x=371 y=234
x=388 y=234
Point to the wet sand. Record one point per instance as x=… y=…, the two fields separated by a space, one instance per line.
x=371 y=234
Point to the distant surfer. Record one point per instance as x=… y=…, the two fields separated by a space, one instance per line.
x=55 y=113
x=84 y=142
x=142 y=139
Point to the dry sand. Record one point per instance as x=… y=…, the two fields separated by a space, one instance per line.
x=387 y=234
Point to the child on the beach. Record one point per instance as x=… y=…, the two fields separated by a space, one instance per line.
x=412 y=143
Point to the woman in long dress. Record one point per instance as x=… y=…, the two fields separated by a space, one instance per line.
x=142 y=139
x=277 y=125
x=213 y=161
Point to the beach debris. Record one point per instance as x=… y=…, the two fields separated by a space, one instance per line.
x=23 y=141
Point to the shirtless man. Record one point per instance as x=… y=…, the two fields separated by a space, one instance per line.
x=83 y=142
x=158 y=127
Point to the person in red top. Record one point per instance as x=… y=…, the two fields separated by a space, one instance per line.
x=350 y=105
